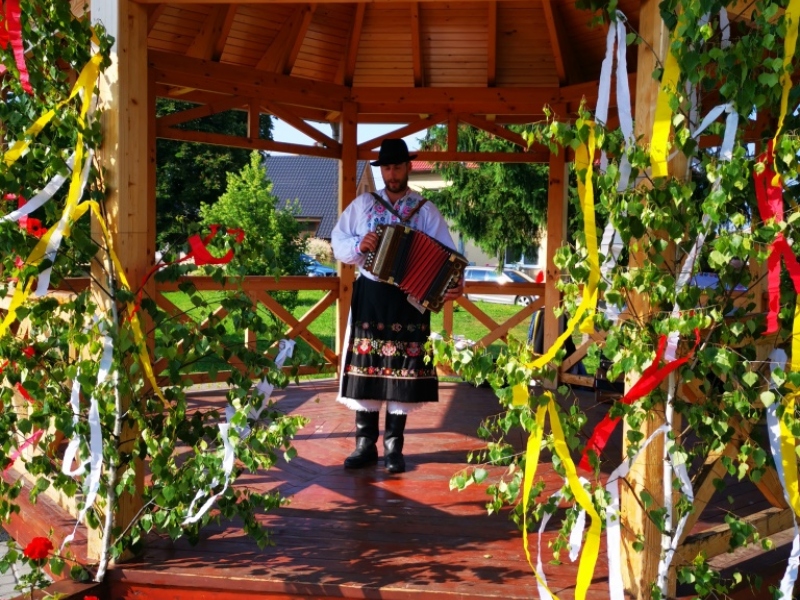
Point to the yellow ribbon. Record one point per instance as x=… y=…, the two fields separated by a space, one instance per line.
x=789 y=46
x=582 y=318
x=74 y=211
x=85 y=82
x=591 y=547
x=663 y=117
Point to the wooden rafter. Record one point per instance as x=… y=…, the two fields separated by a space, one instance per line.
x=452 y=132
x=153 y=13
x=286 y=115
x=491 y=44
x=349 y=63
x=218 y=106
x=195 y=74
x=410 y=129
x=228 y=79
x=282 y=52
x=248 y=143
x=206 y=39
x=538 y=154
x=224 y=32
x=559 y=43
x=416 y=46
x=494 y=129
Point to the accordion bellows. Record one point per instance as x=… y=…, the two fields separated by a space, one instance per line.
x=418 y=264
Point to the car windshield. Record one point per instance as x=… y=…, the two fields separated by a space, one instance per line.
x=515 y=277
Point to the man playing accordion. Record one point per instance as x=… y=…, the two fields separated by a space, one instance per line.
x=384 y=359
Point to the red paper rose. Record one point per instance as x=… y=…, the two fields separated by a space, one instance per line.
x=91 y=598
x=38 y=549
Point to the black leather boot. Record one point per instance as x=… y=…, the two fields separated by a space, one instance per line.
x=393 y=443
x=366 y=452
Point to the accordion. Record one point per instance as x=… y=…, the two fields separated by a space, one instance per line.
x=418 y=264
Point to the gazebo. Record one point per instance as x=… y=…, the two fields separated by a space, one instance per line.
x=478 y=63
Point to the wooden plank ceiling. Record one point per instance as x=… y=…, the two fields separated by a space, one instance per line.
x=412 y=63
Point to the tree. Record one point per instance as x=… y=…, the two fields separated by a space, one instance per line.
x=483 y=200
x=190 y=174
x=273 y=240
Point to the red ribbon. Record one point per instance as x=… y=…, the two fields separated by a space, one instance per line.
x=16 y=453
x=200 y=254
x=770 y=206
x=651 y=378
x=11 y=32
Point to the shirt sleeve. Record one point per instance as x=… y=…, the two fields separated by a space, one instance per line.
x=434 y=225
x=347 y=233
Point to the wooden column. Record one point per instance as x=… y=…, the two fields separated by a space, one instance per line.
x=128 y=155
x=557 y=201
x=347 y=192
x=640 y=567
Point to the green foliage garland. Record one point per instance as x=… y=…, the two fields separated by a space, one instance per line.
x=63 y=339
x=659 y=219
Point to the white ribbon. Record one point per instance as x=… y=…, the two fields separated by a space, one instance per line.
x=55 y=239
x=264 y=388
x=95 y=460
x=41 y=198
x=575 y=540
x=778 y=361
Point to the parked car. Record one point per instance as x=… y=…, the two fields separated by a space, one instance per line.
x=505 y=276
x=316 y=269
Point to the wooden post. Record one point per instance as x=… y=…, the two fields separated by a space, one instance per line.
x=348 y=165
x=557 y=202
x=640 y=567
x=128 y=154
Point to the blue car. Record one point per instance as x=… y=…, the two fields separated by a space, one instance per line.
x=314 y=268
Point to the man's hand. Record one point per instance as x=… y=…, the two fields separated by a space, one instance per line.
x=454 y=292
x=369 y=243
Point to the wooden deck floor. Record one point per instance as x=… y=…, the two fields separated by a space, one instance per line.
x=370 y=534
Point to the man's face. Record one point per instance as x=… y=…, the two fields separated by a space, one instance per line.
x=395 y=177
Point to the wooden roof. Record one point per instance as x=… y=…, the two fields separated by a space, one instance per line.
x=486 y=63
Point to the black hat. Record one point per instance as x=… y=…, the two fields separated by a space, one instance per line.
x=393 y=152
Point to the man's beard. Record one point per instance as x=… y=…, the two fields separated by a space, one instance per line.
x=397 y=187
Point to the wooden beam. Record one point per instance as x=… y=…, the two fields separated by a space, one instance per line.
x=352 y=46
x=522 y=102
x=494 y=129
x=452 y=133
x=555 y=39
x=539 y=154
x=416 y=49
x=154 y=12
x=491 y=44
x=299 y=38
x=641 y=538
x=717 y=540
x=224 y=32
x=282 y=52
x=209 y=76
x=253 y=119
x=285 y=115
x=557 y=202
x=347 y=193
x=410 y=129
x=198 y=112
x=205 y=41
x=231 y=141
x=128 y=155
